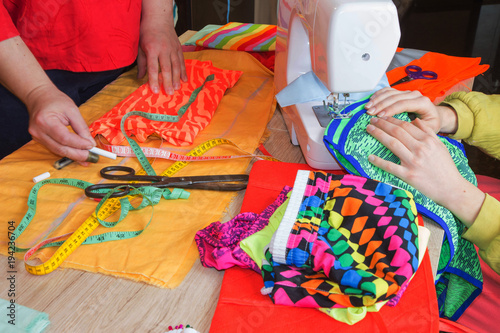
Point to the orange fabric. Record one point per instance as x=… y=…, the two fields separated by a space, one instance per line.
x=242 y=308
x=181 y=133
x=450 y=70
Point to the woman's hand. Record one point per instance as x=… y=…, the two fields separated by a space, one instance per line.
x=160 y=51
x=388 y=102
x=51 y=111
x=426 y=165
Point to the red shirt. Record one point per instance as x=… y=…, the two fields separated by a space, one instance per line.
x=75 y=35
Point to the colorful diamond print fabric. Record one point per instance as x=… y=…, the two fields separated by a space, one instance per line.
x=344 y=241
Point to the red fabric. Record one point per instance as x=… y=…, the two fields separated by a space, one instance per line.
x=450 y=70
x=446 y=325
x=265 y=58
x=80 y=36
x=482 y=314
x=180 y=133
x=242 y=308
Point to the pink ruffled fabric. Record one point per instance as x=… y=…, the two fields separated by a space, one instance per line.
x=218 y=244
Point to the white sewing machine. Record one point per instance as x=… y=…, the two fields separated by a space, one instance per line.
x=348 y=44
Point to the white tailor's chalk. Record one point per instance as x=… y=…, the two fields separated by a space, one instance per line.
x=41 y=177
x=104 y=153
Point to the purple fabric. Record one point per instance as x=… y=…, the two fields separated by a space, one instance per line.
x=218 y=244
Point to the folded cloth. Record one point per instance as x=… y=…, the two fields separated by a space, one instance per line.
x=450 y=70
x=241 y=37
x=459 y=278
x=344 y=240
x=181 y=133
x=20 y=319
x=242 y=308
x=202 y=33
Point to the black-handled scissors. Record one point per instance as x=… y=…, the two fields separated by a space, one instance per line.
x=416 y=73
x=214 y=183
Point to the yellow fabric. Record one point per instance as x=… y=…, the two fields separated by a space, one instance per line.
x=164 y=253
x=478 y=120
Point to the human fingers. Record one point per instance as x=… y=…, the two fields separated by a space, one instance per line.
x=179 y=61
x=153 y=71
x=141 y=64
x=391 y=102
x=172 y=64
x=404 y=132
x=390 y=167
x=49 y=127
x=61 y=149
x=167 y=73
x=79 y=125
x=380 y=95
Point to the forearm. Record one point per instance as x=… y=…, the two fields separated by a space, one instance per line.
x=157 y=12
x=448 y=118
x=20 y=72
x=463 y=199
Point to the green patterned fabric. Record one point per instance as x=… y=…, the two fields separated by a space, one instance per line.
x=459 y=278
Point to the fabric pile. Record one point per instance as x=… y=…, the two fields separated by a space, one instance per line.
x=343 y=244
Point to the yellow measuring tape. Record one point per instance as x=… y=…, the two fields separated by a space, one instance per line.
x=107 y=209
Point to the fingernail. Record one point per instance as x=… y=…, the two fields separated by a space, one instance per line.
x=177 y=86
x=170 y=91
x=92 y=143
x=156 y=90
x=381 y=114
x=371 y=158
x=370 y=128
x=371 y=110
x=373 y=120
x=369 y=104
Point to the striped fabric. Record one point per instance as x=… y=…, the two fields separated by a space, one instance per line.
x=241 y=37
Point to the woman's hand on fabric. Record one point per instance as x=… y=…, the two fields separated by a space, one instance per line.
x=51 y=111
x=388 y=102
x=426 y=165
x=160 y=55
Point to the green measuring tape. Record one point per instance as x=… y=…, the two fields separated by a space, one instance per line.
x=157 y=117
